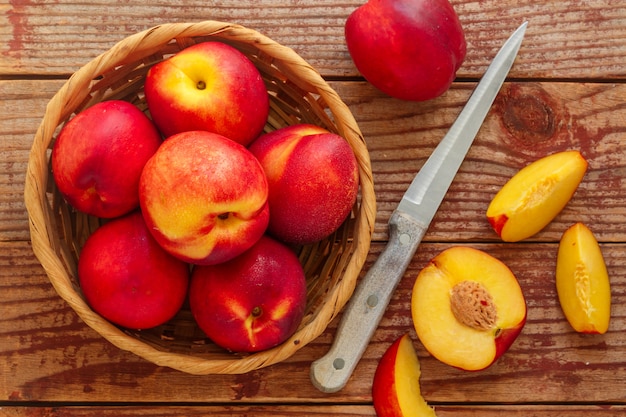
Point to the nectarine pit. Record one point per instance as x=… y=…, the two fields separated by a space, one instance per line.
x=473 y=306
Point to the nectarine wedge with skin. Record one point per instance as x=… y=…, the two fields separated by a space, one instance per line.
x=396 y=388
x=582 y=281
x=534 y=196
x=467 y=308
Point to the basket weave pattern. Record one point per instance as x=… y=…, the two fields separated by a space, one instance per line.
x=298 y=94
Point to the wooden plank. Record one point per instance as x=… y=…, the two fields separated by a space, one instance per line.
x=309 y=410
x=48 y=354
x=528 y=121
x=566 y=39
x=21 y=109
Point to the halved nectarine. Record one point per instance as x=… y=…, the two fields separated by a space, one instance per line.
x=396 y=388
x=467 y=308
x=534 y=196
x=582 y=281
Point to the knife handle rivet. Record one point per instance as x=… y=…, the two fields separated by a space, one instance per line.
x=405 y=239
x=372 y=301
x=339 y=363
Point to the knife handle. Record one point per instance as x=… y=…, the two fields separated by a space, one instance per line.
x=367 y=305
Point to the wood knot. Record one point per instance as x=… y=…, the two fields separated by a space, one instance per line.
x=473 y=306
x=529 y=118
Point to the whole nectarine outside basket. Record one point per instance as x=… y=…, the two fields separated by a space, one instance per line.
x=297 y=94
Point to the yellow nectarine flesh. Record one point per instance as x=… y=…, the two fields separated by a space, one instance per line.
x=582 y=281
x=396 y=388
x=467 y=308
x=534 y=196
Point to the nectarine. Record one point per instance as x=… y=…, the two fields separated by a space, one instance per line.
x=204 y=197
x=313 y=181
x=208 y=86
x=408 y=49
x=128 y=278
x=396 y=387
x=467 y=308
x=99 y=155
x=252 y=302
x=582 y=281
x=534 y=196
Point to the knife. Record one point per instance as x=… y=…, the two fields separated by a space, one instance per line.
x=408 y=225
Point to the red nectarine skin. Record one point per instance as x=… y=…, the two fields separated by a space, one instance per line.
x=313 y=181
x=498 y=222
x=384 y=390
x=204 y=197
x=99 y=155
x=128 y=278
x=253 y=302
x=506 y=337
x=408 y=49
x=208 y=86
x=396 y=387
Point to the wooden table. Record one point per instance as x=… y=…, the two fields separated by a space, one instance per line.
x=566 y=91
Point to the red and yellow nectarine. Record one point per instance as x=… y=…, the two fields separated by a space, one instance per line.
x=204 y=197
x=313 y=180
x=467 y=308
x=252 y=302
x=208 y=86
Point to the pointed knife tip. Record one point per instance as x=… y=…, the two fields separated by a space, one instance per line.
x=523 y=26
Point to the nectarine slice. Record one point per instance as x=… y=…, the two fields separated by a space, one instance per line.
x=396 y=388
x=582 y=281
x=534 y=196
x=467 y=308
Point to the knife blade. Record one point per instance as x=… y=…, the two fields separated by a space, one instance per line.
x=408 y=225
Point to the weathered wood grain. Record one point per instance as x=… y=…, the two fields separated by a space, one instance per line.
x=22 y=107
x=48 y=354
x=571 y=39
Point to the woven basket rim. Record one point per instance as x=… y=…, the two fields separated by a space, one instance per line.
x=44 y=239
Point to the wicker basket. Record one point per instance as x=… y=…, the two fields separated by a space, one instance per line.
x=297 y=94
